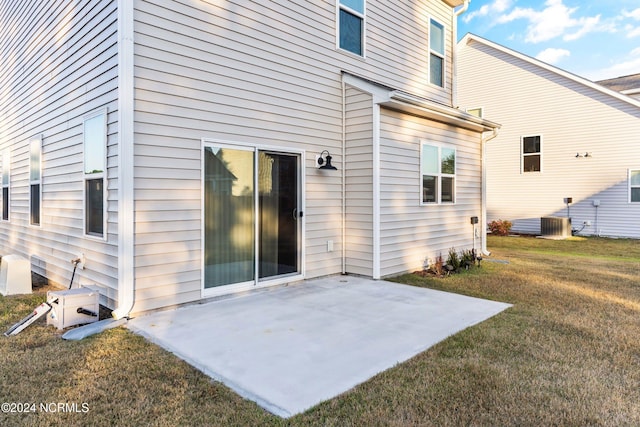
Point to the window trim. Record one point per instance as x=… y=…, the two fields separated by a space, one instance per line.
x=523 y=154
x=93 y=176
x=363 y=16
x=629 y=172
x=439 y=174
x=35 y=142
x=6 y=166
x=442 y=55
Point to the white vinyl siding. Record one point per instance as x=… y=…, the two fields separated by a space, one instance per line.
x=359 y=185
x=409 y=233
x=573 y=118
x=60 y=63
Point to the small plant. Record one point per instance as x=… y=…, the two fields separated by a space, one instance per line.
x=468 y=258
x=437 y=267
x=453 y=261
x=500 y=227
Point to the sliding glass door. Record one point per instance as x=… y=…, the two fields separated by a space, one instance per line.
x=251 y=215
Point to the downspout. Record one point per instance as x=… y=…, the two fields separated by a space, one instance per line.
x=344 y=176
x=454 y=43
x=483 y=220
x=126 y=287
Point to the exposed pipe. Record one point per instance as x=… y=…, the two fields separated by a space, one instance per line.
x=484 y=141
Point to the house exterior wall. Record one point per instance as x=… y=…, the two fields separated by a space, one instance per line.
x=411 y=233
x=59 y=63
x=265 y=73
x=359 y=183
x=572 y=118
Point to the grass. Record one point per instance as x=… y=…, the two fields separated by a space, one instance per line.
x=566 y=353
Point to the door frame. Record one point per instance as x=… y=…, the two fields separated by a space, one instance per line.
x=257 y=283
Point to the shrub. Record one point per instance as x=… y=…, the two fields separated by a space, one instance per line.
x=453 y=260
x=500 y=227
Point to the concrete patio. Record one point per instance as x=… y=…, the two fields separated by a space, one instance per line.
x=289 y=348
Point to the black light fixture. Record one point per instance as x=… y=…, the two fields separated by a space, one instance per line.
x=325 y=163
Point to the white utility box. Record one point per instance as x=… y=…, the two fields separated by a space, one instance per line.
x=15 y=275
x=72 y=307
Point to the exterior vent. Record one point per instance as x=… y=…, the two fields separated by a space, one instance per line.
x=555 y=226
x=15 y=275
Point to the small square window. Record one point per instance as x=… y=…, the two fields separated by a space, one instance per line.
x=634 y=186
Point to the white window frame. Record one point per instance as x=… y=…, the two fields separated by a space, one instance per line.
x=93 y=176
x=523 y=154
x=629 y=172
x=439 y=174
x=363 y=16
x=6 y=184
x=442 y=55
x=35 y=143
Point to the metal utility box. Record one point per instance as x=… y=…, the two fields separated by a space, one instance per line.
x=72 y=307
x=15 y=275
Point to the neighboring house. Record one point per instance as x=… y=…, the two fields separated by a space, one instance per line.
x=626 y=85
x=562 y=136
x=174 y=143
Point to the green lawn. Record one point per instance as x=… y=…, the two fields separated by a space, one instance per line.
x=566 y=353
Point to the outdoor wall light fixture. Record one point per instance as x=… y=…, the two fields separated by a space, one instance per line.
x=325 y=163
x=587 y=154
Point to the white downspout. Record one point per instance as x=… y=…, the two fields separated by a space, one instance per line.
x=454 y=43
x=126 y=287
x=483 y=214
x=344 y=177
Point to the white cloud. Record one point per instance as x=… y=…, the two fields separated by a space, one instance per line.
x=555 y=20
x=627 y=66
x=498 y=6
x=634 y=14
x=552 y=55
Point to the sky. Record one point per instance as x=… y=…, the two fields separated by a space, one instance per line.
x=595 y=39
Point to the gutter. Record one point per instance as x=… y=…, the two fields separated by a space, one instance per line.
x=126 y=286
x=483 y=213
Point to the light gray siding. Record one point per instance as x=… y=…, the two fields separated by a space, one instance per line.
x=259 y=73
x=411 y=233
x=572 y=118
x=59 y=62
x=359 y=183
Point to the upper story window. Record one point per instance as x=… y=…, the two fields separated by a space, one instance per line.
x=95 y=147
x=6 y=173
x=351 y=25
x=438 y=170
x=436 y=53
x=35 y=180
x=532 y=153
x=634 y=185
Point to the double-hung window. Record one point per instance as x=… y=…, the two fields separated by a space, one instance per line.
x=438 y=174
x=95 y=147
x=436 y=53
x=351 y=25
x=634 y=185
x=531 y=153
x=6 y=173
x=35 y=181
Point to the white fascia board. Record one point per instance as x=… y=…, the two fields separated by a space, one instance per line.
x=468 y=38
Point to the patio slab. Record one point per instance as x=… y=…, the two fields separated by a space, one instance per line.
x=290 y=348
